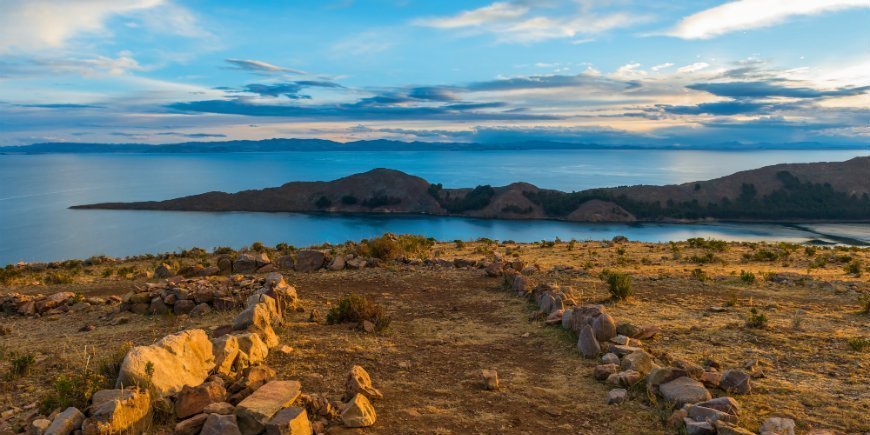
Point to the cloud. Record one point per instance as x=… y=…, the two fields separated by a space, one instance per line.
x=582 y=80
x=515 y=22
x=761 y=89
x=29 y=66
x=290 y=89
x=62 y=106
x=192 y=135
x=258 y=66
x=31 y=25
x=751 y=14
x=661 y=66
x=697 y=66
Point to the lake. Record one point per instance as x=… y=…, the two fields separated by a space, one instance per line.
x=36 y=191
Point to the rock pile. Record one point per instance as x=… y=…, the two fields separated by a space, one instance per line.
x=625 y=364
x=43 y=305
x=220 y=384
x=200 y=296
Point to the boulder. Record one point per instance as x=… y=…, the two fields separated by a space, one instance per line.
x=724 y=404
x=192 y=400
x=309 y=260
x=191 y=426
x=38 y=426
x=217 y=424
x=359 y=382
x=520 y=285
x=603 y=371
x=359 y=412
x=225 y=349
x=183 y=306
x=710 y=415
x=684 y=390
x=245 y=263
x=177 y=360
x=622 y=351
x=604 y=327
x=777 y=426
x=617 y=396
x=251 y=378
x=256 y=410
x=610 y=358
x=337 y=263
x=222 y=408
x=711 y=379
x=164 y=271
x=587 y=344
x=661 y=375
x=698 y=427
x=639 y=361
x=628 y=378
x=567 y=316
x=289 y=421
x=158 y=307
x=128 y=412
x=494 y=269
x=629 y=330
x=200 y=310
x=490 y=379
x=736 y=382
x=285 y=262
x=225 y=265
x=723 y=428
x=66 y=422
x=252 y=347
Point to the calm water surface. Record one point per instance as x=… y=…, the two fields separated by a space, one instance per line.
x=36 y=191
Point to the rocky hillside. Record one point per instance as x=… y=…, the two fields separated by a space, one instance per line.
x=820 y=191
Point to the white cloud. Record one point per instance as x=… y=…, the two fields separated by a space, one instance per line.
x=261 y=67
x=750 y=14
x=662 y=66
x=697 y=66
x=513 y=22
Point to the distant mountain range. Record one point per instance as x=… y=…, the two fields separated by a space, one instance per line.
x=277 y=145
x=786 y=192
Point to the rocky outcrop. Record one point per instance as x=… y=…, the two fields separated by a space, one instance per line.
x=176 y=361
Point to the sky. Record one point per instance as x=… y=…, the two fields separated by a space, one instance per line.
x=612 y=72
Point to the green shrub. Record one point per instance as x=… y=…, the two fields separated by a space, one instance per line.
x=74 y=389
x=859 y=344
x=20 y=364
x=572 y=244
x=459 y=244
x=756 y=319
x=57 y=278
x=356 y=308
x=699 y=275
x=864 y=302
x=109 y=366
x=703 y=259
x=712 y=244
x=223 y=250
x=619 y=284
x=810 y=251
x=391 y=247
x=747 y=277
x=853 y=268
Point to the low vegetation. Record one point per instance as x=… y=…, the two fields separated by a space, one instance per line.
x=618 y=284
x=356 y=308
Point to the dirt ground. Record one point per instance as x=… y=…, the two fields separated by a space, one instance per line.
x=448 y=324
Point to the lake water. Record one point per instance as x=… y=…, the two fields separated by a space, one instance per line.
x=36 y=191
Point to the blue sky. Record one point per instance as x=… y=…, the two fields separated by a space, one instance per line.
x=591 y=71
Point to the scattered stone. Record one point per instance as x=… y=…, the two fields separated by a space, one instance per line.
x=164 y=271
x=698 y=427
x=604 y=327
x=359 y=382
x=245 y=263
x=38 y=426
x=661 y=375
x=177 y=360
x=622 y=351
x=629 y=330
x=65 y=422
x=628 y=378
x=200 y=310
x=610 y=358
x=289 y=421
x=567 y=317
x=309 y=260
x=222 y=408
x=191 y=426
x=225 y=349
x=490 y=379
x=182 y=306
x=127 y=411
x=777 y=426
x=257 y=409
x=723 y=428
x=617 y=396
x=724 y=404
x=337 y=263
x=217 y=424
x=639 y=361
x=603 y=371
x=587 y=344
x=736 y=382
x=88 y=327
x=684 y=390
x=192 y=400
x=711 y=379
x=251 y=349
x=700 y=413
x=359 y=412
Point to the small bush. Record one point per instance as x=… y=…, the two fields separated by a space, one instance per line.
x=864 y=302
x=747 y=277
x=20 y=364
x=349 y=200
x=223 y=250
x=711 y=244
x=459 y=244
x=859 y=344
x=756 y=319
x=110 y=366
x=356 y=308
x=391 y=247
x=853 y=268
x=810 y=251
x=57 y=278
x=572 y=244
x=619 y=284
x=74 y=389
x=703 y=259
x=699 y=275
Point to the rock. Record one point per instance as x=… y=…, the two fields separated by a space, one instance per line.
x=724 y=404
x=368 y=327
x=225 y=349
x=603 y=371
x=520 y=285
x=610 y=358
x=200 y=310
x=567 y=316
x=252 y=347
x=639 y=361
x=684 y=390
x=309 y=260
x=710 y=415
x=192 y=400
x=628 y=378
x=661 y=375
x=183 y=306
x=257 y=409
x=736 y=382
x=191 y=426
x=337 y=263
x=258 y=318
x=217 y=424
x=128 y=412
x=289 y=421
x=177 y=360
x=677 y=418
x=225 y=265
x=158 y=307
x=616 y=396
x=622 y=351
x=648 y=332
x=711 y=379
x=723 y=428
x=494 y=269
x=65 y=422
x=490 y=379
x=359 y=412
x=629 y=330
x=285 y=262
x=587 y=344
x=140 y=308
x=245 y=263
x=222 y=408
x=604 y=327
x=164 y=271
x=359 y=382
x=777 y=426
x=694 y=371
x=698 y=427
x=38 y=426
